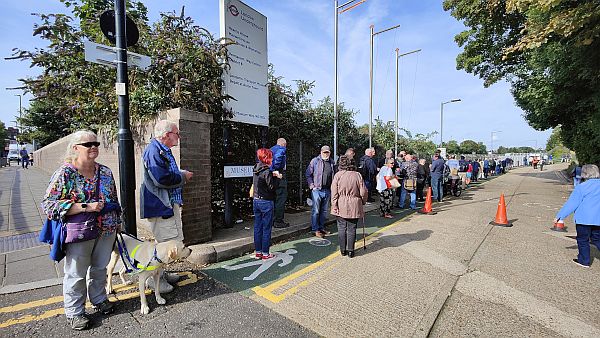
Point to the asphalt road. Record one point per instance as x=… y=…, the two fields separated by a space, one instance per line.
x=203 y=308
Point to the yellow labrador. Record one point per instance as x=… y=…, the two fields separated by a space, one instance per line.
x=145 y=259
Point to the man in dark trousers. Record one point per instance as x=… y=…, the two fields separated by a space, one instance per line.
x=279 y=165
x=24 y=158
x=368 y=170
x=319 y=175
x=437 y=175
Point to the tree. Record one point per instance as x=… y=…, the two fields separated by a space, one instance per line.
x=44 y=124
x=420 y=144
x=470 y=147
x=548 y=51
x=186 y=72
x=519 y=150
x=3 y=136
x=452 y=147
x=554 y=140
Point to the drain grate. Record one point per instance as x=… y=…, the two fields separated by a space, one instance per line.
x=19 y=242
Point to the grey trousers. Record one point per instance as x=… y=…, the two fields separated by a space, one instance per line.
x=347 y=233
x=82 y=261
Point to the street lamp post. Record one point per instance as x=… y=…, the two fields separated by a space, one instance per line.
x=492 y=139
x=442 y=119
x=20 y=110
x=398 y=56
x=335 y=62
x=373 y=33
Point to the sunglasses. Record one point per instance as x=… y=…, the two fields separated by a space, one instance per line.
x=176 y=133
x=89 y=144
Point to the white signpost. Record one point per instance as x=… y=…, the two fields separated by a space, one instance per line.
x=235 y=171
x=107 y=55
x=246 y=80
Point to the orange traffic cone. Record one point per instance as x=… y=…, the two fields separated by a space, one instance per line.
x=501 y=219
x=427 y=209
x=559 y=226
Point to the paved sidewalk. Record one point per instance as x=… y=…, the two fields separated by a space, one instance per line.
x=24 y=262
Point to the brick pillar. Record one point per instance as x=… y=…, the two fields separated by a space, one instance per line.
x=193 y=154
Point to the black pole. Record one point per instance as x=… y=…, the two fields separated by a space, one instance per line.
x=263 y=136
x=126 y=161
x=228 y=194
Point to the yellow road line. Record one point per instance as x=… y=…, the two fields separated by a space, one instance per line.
x=34 y=304
x=192 y=278
x=267 y=291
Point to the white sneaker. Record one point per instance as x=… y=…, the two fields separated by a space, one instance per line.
x=165 y=287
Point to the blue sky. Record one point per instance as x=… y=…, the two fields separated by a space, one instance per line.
x=300 y=40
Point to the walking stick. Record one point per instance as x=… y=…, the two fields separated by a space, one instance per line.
x=364 y=238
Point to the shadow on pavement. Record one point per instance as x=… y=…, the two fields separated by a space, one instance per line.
x=388 y=241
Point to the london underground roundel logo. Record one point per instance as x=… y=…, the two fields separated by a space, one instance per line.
x=233 y=10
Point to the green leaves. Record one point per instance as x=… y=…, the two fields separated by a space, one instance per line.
x=549 y=50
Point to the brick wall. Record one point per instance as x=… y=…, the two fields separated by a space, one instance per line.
x=193 y=154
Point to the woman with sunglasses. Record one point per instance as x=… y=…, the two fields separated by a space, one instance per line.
x=74 y=189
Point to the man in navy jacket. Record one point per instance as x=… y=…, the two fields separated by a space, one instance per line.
x=279 y=164
x=437 y=175
x=161 y=191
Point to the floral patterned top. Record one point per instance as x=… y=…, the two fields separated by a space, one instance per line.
x=68 y=186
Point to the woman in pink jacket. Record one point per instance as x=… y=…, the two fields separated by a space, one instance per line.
x=348 y=195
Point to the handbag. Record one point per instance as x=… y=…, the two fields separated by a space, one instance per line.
x=394 y=183
x=410 y=184
x=387 y=182
x=83 y=226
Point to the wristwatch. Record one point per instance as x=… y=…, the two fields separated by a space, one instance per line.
x=84 y=206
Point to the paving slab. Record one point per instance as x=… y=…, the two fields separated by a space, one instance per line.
x=31 y=270
x=26 y=254
x=19 y=242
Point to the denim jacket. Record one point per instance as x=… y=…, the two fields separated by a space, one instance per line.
x=314 y=172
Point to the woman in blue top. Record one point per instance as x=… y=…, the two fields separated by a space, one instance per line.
x=584 y=201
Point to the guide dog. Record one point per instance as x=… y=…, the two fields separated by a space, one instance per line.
x=146 y=259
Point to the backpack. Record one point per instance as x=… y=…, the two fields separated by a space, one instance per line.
x=462 y=166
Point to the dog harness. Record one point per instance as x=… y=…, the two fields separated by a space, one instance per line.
x=130 y=261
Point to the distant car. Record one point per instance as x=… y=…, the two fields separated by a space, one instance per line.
x=13 y=155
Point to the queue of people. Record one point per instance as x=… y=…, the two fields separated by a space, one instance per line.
x=83 y=191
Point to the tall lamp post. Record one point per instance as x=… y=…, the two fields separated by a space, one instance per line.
x=442 y=120
x=344 y=7
x=398 y=56
x=20 y=110
x=373 y=33
x=492 y=139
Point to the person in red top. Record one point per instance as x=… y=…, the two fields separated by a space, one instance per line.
x=469 y=173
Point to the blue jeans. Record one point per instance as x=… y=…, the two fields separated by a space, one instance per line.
x=413 y=198
x=263 y=220
x=437 y=187
x=584 y=234
x=321 y=201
